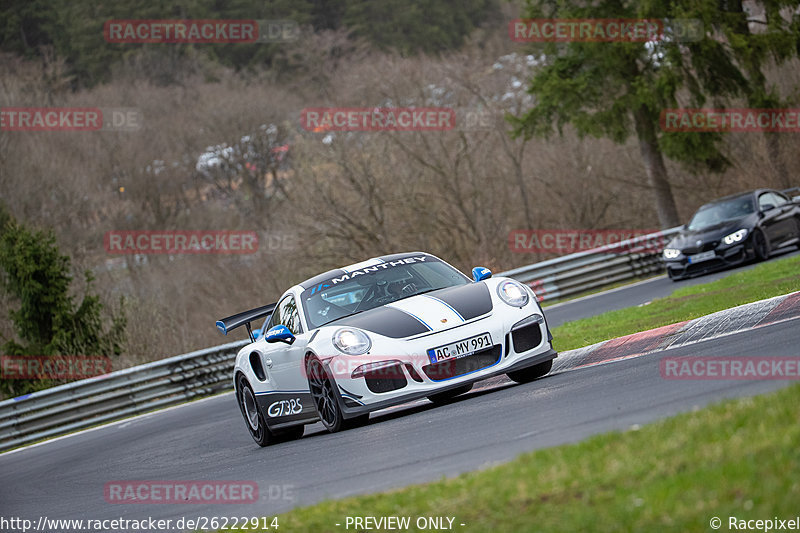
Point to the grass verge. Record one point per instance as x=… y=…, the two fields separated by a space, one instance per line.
x=764 y=281
x=739 y=458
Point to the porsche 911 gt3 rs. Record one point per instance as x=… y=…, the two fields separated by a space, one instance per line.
x=380 y=333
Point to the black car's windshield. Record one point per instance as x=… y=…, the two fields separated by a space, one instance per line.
x=376 y=285
x=719 y=212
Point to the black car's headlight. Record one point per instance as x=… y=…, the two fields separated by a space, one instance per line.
x=671 y=253
x=736 y=236
x=513 y=293
x=351 y=341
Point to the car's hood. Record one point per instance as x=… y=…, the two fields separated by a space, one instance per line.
x=689 y=238
x=434 y=311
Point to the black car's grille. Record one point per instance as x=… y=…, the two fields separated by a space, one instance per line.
x=463 y=365
x=705 y=247
x=526 y=338
x=704 y=266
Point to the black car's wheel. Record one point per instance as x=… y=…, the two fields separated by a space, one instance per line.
x=253 y=418
x=760 y=245
x=446 y=396
x=797 y=231
x=527 y=375
x=322 y=391
x=673 y=277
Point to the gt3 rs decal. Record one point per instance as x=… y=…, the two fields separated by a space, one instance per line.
x=292 y=406
x=288 y=406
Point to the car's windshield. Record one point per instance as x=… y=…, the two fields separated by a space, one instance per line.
x=716 y=213
x=374 y=286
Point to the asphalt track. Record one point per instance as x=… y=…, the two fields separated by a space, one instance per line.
x=207 y=440
x=635 y=294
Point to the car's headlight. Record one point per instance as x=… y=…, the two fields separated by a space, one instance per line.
x=352 y=341
x=736 y=236
x=671 y=253
x=512 y=293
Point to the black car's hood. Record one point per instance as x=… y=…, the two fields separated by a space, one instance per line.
x=468 y=301
x=689 y=238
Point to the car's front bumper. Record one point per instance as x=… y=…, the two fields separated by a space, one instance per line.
x=680 y=267
x=411 y=375
x=350 y=410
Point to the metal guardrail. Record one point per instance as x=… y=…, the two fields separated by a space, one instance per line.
x=594 y=269
x=131 y=391
x=175 y=380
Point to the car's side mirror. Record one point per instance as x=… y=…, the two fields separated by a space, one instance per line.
x=767 y=207
x=279 y=333
x=481 y=273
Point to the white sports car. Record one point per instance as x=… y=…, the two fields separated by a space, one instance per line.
x=379 y=333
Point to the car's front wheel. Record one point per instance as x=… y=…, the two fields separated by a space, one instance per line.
x=526 y=375
x=446 y=396
x=252 y=414
x=322 y=391
x=673 y=277
x=760 y=245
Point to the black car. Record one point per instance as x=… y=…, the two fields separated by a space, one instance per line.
x=732 y=230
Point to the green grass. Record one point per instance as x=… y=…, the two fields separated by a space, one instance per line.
x=740 y=458
x=764 y=281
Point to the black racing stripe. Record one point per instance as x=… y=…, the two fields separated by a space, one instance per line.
x=384 y=321
x=470 y=300
x=316 y=280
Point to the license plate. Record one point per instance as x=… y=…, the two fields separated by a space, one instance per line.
x=461 y=348
x=705 y=256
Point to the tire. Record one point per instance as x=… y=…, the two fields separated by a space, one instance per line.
x=760 y=245
x=322 y=386
x=526 y=375
x=797 y=232
x=285 y=435
x=446 y=396
x=673 y=277
x=253 y=418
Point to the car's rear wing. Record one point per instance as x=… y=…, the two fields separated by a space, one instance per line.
x=244 y=318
